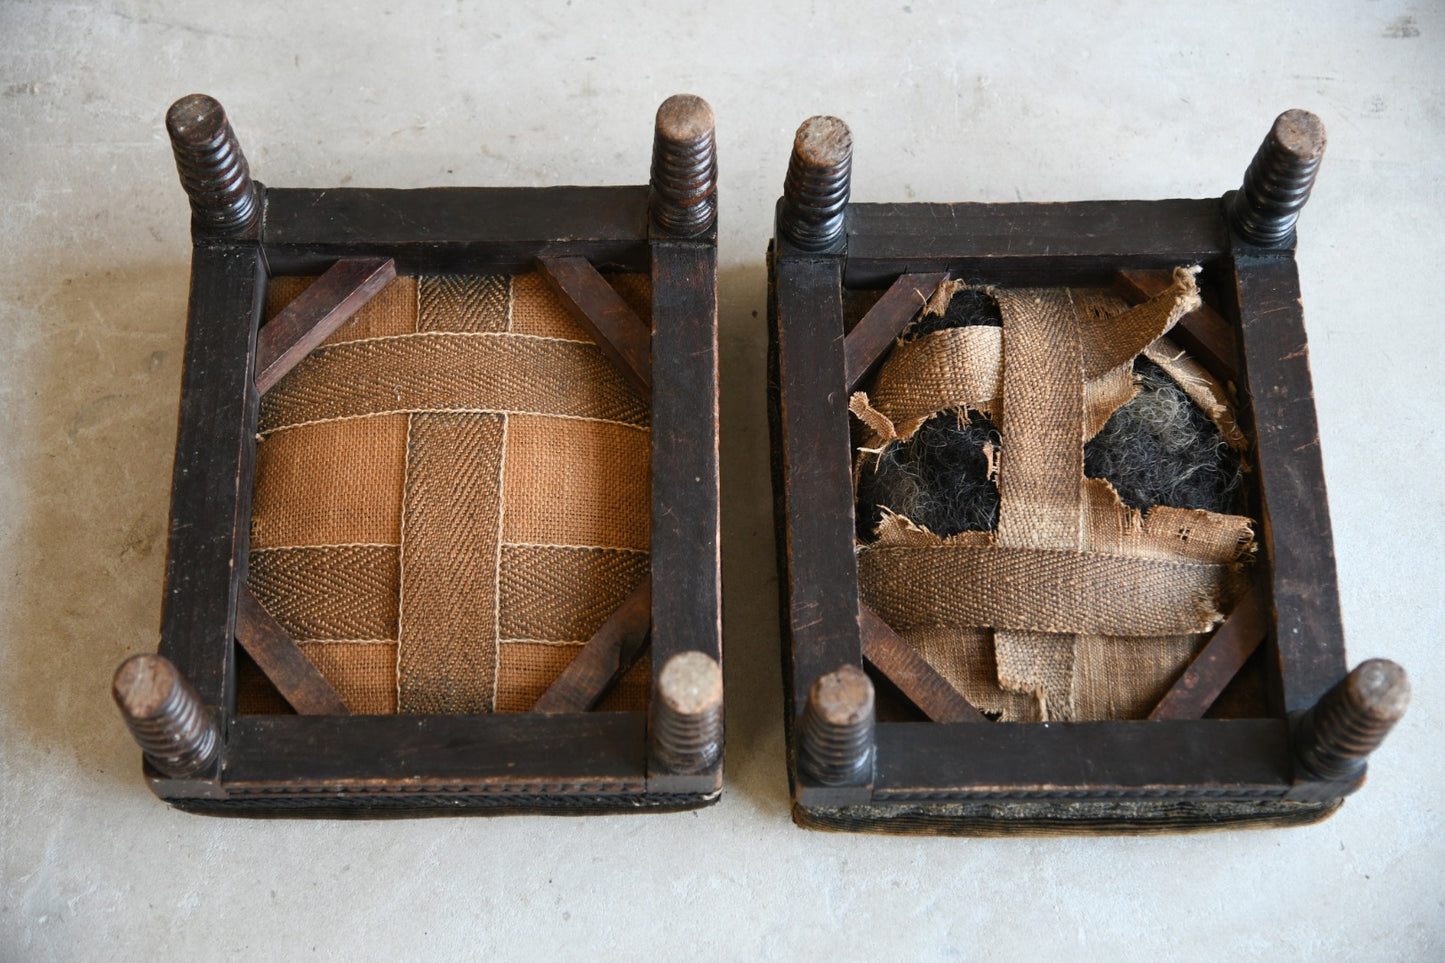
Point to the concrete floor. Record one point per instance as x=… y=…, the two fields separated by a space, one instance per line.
x=1001 y=101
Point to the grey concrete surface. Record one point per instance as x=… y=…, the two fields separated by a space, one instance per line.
x=992 y=101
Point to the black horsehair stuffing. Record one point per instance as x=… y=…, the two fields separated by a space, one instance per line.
x=1159 y=449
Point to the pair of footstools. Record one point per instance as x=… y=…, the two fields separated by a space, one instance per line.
x=445 y=520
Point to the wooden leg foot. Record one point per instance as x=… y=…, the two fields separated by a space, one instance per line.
x=687 y=713
x=837 y=728
x=213 y=170
x=166 y=717
x=1279 y=179
x=815 y=194
x=684 y=167
x=1352 y=719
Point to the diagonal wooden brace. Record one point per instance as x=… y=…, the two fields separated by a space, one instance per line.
x=913 y=676
x=623 y=337
x=606 y=656
x=319 y=310
x=283 y=662
x=871 y=337
x=1219 y=661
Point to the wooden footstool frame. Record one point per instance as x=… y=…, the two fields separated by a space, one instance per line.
x=200 y=755
x=958 y=773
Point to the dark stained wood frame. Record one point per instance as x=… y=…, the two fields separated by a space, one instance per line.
x=281 y=660
x=575 y=762
x=1138 y=776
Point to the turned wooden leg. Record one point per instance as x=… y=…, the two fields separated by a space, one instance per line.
x=165 y=715
x=1279 y=179
x=684 y=167
x=213 y=170
x=837 y=728
x=815 y=195
x=686 y=734
x=1351 y=720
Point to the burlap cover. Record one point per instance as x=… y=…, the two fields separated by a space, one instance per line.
x=451 y=497
x=1077 y=607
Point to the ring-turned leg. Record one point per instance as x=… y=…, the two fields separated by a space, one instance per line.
x=684 y=167
x=815 y=194
x=165 y=715
x=687 y=713
x=1351 y=720
x=838 y=728
x=224 y=201
x=1279 y=179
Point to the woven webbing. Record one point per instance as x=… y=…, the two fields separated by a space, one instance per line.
x=1042 y=590
x=329 y=591
x=537 y=601
x=1094 y=607
x=952 y=368
x=447 y=648
x=526 y=669
x=961 y=368
x=1043 y=398
x=1117 y=339
x=334 y=483
x=571 y=482
x=1040 y=482
x=462 y=302
x=452 y=372
x=451 y=496
x=363 y=673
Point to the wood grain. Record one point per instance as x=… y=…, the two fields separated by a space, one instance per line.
x=283 y=662
x=915 y=678
x=468 y=230
x=686 y=510
x=820 y=569
x=1296 y=532
x=318 y=311
x=595 y=305
x=1020 y=244
x=871 y=337
x=611 y=651
x=593 y=752
x=211 y=484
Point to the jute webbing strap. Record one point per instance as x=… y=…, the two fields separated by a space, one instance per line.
x=329 y=591
x=452 y=496
x=462 y=302
x=952 y=368
x=962 y=367
x=1040 y=481
x=1041 y=590
x=537 y=600
x=452 y=372
x=364 y=673
x=447 y=649
x=1117 y=339
x=334 y=483
x=1093 y=606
